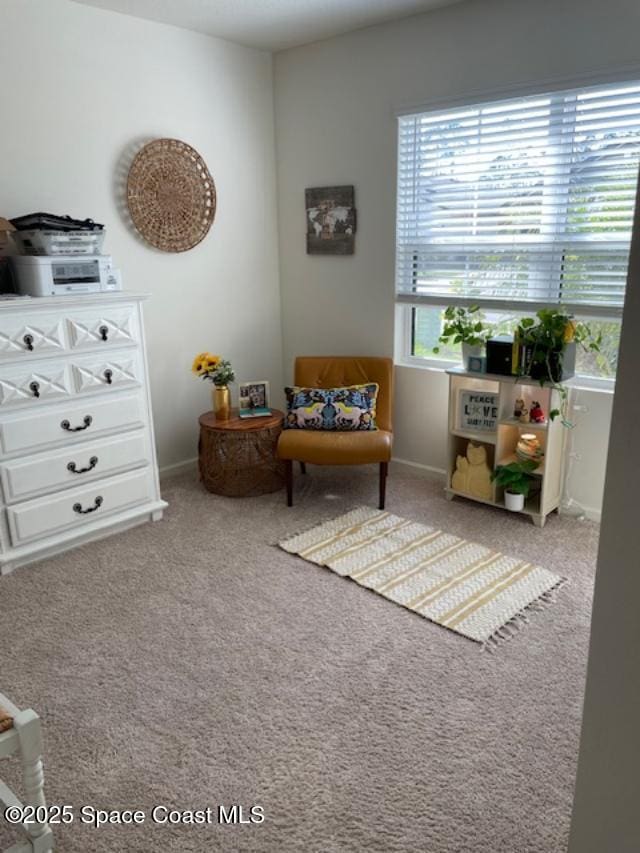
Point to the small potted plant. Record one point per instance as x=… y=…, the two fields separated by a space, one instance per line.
x=549 y=350
x=219 y=371
x=516 y=479
x=465 y=326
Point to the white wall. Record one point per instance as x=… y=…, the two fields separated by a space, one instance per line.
x=335 y=119
x=80 y=87
x=605 y=812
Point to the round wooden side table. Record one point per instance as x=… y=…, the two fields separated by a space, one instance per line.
x=237 y=457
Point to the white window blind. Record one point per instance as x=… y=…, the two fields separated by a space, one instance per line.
x=524 y=202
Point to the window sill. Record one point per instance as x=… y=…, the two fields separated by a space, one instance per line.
x=580 y=383
x=438 y=364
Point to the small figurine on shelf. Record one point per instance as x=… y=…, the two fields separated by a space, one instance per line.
x=536 y=414
x=518 y=407
x=524 y=416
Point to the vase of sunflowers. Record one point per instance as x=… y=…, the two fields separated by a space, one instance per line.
x=221 y=400
x=218 y=371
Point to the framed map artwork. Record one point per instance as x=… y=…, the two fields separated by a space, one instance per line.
x=331 y=220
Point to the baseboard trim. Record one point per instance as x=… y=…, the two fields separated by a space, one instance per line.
x=591 y=513
x=187 y=466
x=417 y=466
x=588 y=512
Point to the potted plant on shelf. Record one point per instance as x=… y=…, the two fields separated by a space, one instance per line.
x=219 y=371
x=548 y=345
x=465 y=326
x=516 y=479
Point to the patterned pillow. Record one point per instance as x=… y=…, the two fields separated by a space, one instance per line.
x=350 y=408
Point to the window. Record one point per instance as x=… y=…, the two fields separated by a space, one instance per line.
x=519 y=204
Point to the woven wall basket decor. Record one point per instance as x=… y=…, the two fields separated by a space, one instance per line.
x=171 y=195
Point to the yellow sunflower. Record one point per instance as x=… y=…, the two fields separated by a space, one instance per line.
x=199 y=363
x=205 y=362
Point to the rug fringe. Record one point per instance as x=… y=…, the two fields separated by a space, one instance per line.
x=512 y=627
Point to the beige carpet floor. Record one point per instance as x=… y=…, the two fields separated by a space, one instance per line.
x=192 y=663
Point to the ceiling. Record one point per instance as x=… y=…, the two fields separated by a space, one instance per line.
x=270 y=24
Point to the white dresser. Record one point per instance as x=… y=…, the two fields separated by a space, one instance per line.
x=77 y=452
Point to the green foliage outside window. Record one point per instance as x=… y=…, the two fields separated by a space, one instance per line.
x=429 y=322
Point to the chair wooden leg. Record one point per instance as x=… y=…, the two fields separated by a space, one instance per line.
x=27 y=725
x=288 y=478
x=384 y=467
x=303 y=467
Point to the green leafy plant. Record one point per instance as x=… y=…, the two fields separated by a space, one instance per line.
x=516 y=477
x=464 y=326
x=545 y=340
x=223 y=374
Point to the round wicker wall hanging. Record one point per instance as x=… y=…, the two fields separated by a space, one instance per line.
x=171 y=195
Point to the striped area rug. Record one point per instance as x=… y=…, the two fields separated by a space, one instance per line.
x=460 y=585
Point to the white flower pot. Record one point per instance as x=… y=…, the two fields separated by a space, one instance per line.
x=468 y=350
x=514 y=502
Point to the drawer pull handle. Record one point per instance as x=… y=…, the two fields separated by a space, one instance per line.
x=75 y=470
x=96 y=505
x=108 y=375
x=104 y=332
x=28 y=342
x=88 y=420
x=34 y=387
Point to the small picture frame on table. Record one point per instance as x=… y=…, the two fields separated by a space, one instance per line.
x=254 y=399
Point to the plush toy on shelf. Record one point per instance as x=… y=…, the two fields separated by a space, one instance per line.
x=524 y=416
x=518 y=407
x=536 y=414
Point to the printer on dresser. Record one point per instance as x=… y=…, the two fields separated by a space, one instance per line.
x=77 y=452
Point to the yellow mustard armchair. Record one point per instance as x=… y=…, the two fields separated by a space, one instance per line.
x=327 y=447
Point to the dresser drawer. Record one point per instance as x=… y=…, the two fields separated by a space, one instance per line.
x=71 y=424
x=94 y=329
x=73 y=466
x=34 y=384
x=42 y=334
x=78 y=507
x=95 y=374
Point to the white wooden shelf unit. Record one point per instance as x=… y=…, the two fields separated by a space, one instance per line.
x=500 y=443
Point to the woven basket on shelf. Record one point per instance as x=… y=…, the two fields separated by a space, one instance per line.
x=171 y=195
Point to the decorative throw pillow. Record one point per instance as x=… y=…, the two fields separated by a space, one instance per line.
x=350 y=408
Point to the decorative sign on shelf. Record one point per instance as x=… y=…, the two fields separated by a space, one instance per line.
x=479 y=410
x=171 y=195
x=331 y=220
